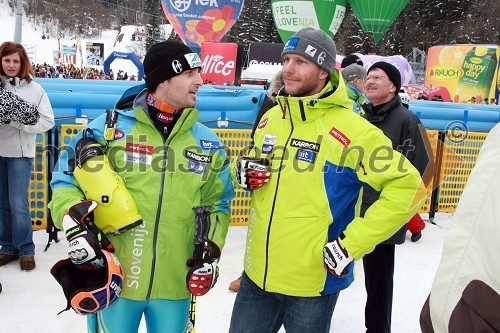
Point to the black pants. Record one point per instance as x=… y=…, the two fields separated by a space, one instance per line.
x=379 y=274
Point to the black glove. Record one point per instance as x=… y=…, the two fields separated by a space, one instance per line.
x=203 y=275
x=252 y=173
x=85 y=239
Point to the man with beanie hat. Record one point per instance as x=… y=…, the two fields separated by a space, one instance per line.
x=351 y=59
x=355 y=77
x=305 y=174
x=171 y=164
x=408 y=137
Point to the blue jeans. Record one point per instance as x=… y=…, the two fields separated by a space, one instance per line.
x=16 y=231
x=259 y=311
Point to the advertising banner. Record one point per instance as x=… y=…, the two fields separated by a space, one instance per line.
x=460 y=72
x=68 y=54
x=293 y=15
x=264 y=54
x=200 y=21
x=31 y=51
x=219 y=63
x=94 y=53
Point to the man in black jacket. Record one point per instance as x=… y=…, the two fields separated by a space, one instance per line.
x=407 y=135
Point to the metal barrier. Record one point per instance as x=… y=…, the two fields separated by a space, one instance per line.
x=454 y=155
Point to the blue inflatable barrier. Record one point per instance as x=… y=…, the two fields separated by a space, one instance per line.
x=236 y=107
x=220 y=106
x=443 y=115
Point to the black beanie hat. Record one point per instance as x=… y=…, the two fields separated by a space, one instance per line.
x=391 y=71
x=351 y=59
x=168 y=59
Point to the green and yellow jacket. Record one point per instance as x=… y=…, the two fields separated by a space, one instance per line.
x=166 y=179
x=322 y=154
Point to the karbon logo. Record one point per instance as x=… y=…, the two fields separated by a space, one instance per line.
x=442 y=72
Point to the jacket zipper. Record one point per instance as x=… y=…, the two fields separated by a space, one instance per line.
x=159 y=206
x=276 y=194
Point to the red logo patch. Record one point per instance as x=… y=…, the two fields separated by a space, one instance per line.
x=119 y=134
x=165 y=117
x=263 y=123
x=340 y=136
x=136 y=148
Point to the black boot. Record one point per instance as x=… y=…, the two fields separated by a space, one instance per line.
x=416 y=236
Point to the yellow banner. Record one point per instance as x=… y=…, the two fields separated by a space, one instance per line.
x=463 y=71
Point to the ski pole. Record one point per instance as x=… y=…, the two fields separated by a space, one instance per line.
x=201 y=228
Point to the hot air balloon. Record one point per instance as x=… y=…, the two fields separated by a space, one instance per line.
x=291 y=16
x=202 y=21
x=376 y=16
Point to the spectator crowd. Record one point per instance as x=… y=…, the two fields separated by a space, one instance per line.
x=70 y=71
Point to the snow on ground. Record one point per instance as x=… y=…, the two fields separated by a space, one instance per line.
x=30 y=301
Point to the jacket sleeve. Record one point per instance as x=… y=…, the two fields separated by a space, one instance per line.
x=415 y=147
x=46 y=120
x=402 y=193
x=65 y=192
x=217 y=191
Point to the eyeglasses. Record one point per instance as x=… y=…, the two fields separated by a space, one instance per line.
x=375 y=78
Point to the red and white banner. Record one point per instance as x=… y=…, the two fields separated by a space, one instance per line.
x=219 y=63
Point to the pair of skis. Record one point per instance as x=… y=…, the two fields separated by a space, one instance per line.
x=201 y=228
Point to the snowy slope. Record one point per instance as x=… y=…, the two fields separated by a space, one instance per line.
x=32 y=39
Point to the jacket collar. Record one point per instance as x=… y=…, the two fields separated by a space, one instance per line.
x=380 y=115
x=310 y=108
x=135 y=98
x=13 y=82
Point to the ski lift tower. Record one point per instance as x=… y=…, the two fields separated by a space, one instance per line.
x=417 y=60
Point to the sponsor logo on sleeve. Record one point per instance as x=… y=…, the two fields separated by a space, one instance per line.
x=270 y=139
x=263 y=123
x=119 y=134
x=339 y=136
x=266 y=149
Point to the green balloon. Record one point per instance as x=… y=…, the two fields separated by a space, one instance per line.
x=376 y=16
x=292 y=15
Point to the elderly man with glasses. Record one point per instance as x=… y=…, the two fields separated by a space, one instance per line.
x=407 y=134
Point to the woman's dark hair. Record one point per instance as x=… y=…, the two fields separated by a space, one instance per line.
x=26 y=72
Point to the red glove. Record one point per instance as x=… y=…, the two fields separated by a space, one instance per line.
x=203 y=275
x=252 y=173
